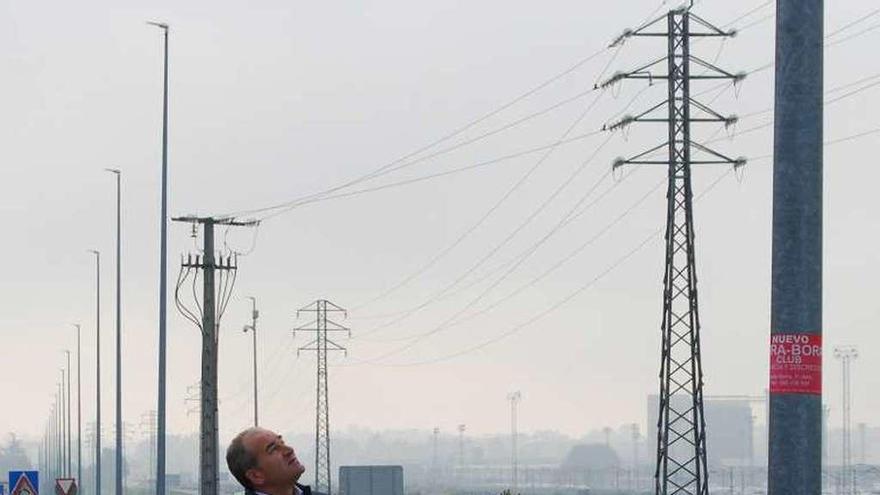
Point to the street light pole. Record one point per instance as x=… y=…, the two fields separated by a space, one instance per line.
x=119 y=433
x=514 y=398
x=78 y=413
x=97 y=371
x=61 y=421
x=69 y=470
x=253 y=328
x=163 y=280
x=55 y=413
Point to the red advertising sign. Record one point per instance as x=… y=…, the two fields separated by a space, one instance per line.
x=795 y=363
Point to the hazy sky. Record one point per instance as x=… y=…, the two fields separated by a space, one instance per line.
x=276 y=100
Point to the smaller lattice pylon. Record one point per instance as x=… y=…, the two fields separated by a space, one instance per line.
x=321 y=345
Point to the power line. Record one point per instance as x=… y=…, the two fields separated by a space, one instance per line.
x=434 y=260
x=423 y=269
x=402 y=160
x=567 y=219
x=653 y=236
x=853 y=23
x=397 y=162
x=748 y=13
x=445 y=173
x=517 y=260
x=743 y=132
x=443 y=293
x=446 y=323
x=522 y=180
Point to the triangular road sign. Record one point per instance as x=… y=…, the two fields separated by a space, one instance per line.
x=65 y=486
x=23 y=487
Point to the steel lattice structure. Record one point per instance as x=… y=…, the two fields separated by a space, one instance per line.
x=681 y=429
x=322 y=345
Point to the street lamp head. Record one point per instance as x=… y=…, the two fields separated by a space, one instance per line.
x=160 y=25
x=114 y=170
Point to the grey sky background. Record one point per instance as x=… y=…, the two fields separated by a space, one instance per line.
x=276 y=100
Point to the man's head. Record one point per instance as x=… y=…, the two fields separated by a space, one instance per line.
x=260 y=460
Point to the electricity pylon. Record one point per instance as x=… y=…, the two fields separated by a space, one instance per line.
x=681 y=428
x=322 y=345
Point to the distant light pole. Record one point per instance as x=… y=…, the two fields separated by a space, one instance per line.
x=78 y=413
x=514 y=399
x=119 y=433
x=163 y=280
x=69 y=470
x=253 y=328
x=56 y=458
x=846 y=355
x=97 y=370
x=61 y=421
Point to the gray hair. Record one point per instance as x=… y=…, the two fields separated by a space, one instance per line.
x=239 y=459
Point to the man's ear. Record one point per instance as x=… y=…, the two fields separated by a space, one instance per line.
x=255 y=476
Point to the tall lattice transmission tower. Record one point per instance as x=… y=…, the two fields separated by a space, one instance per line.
x=322 y=345
x=681 y=428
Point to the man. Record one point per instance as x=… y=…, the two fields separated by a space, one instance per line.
x=261 y=461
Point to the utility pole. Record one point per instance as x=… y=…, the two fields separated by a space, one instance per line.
x=97 y=371
x=514 y=398
x=253 y=328
x=795 y=427
x=215 y=273
x=79 y=481
x=681 y=429
x=163 y=276
x=321 y=344
x=846 y=355
x=119 y=434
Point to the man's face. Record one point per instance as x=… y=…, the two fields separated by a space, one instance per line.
x=277 y=464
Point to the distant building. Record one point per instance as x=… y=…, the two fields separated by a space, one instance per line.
x=590 y=456
x=729 y=429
